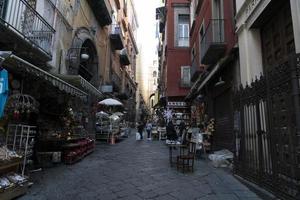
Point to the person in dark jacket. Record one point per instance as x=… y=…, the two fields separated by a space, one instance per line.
x=140 y=128
x=181 y=128
x=171 y=132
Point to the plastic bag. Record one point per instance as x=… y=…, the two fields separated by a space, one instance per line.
x=137 y=136
x=221 y=158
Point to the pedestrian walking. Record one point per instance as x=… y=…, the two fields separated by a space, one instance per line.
x=149 y=129
x=140 y=128
x=181 y=128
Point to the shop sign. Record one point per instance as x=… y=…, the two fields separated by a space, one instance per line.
x=107 y=88
x=177 y=104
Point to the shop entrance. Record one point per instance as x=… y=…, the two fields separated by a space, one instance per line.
x=223 y=138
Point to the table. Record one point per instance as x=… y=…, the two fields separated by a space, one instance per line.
x=171 y=147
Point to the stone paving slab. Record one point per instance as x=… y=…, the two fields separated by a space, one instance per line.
x=135 y=170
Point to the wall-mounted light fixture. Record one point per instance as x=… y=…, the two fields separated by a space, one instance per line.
x=84 y=56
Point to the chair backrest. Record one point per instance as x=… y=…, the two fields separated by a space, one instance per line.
x=191 y=148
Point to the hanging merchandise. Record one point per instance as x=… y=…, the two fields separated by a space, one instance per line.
x=21 y=104
x=3 y=89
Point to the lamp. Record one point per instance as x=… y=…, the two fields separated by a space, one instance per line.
x=220 y=82
x=84 y=56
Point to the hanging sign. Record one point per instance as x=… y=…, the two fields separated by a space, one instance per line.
x=177 y=104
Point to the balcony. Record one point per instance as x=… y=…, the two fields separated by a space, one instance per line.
x=102 y=11
x=213 y=43
x=160 y=15
x=124 y=58
x=25 y=30
x=116 y=37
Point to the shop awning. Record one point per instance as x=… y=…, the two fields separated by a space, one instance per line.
x=205 y=79
x=81 y=83
x=208 y=77
x=18 y=65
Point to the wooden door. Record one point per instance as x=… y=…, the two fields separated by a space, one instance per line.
x=277 y=37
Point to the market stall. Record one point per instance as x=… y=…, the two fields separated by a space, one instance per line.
x=12 y=182
x=109 y=127
x=57 y=112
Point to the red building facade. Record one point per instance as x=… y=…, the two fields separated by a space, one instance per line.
x=175 y=59
x=177 y=55
x=214 y=67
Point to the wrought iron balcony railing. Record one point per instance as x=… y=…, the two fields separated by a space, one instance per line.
x=124 y=57
x=116 y=36
x=19 y=16
x=213 y=42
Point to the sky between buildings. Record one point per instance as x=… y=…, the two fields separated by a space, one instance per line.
x=146 y=41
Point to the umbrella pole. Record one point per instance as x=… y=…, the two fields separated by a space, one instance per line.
x=101 y=124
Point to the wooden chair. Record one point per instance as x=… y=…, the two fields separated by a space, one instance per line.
x=186 y=157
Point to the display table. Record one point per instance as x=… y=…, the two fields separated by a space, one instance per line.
x=75 y=150
x=15 y=189
x=10 y=165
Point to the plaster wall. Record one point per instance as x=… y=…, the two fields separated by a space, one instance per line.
x=295 y=8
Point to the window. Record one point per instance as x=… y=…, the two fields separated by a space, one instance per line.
x=183 y=31
x=217 y=11
x=185 y=76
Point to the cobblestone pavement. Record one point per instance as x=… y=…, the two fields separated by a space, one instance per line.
x=134 y=170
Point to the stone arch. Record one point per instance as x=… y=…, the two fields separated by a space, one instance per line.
x=83 y=43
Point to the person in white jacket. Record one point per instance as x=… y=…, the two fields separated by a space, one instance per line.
x=149 y=129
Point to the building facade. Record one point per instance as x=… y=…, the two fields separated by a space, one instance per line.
x=214 y=68
x=64 y=53
x=267 y=104
x=174 y=53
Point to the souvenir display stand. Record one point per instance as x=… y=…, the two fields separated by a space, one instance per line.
x=102 y=128
x=16 y=145
x=21 y=138
x=108 y=129
x=77 y=147
x=13 y=183
x=75 y=150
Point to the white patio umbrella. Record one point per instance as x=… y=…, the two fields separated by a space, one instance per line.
x=118 y=114
x=101 y=114
x=110 y=102
x=114 y=117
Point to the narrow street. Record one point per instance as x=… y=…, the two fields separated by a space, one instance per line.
x=134 y=170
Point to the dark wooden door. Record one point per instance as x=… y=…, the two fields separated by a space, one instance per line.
x=278 y=45
x=277 y=37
